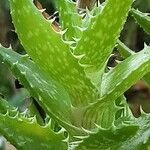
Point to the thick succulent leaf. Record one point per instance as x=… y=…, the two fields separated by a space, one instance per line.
x=142 y=19
x=47 y=49
x=126 y=52
x=69 y=18
x=48 y=93
x=134 y=134
x=125 y=74
x=117 y=81
x=109 y=139
x=99 y=38
x=25 y=133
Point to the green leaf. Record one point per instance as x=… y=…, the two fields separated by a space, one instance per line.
x=134 y=134
x=69 y=18
x=48 y=50
x=124 y=50
x=103 y=114
x=98 y=40
x=142 y=19
x=25 y=133
x=49 y=94
x=125 y=74
x=117 y=81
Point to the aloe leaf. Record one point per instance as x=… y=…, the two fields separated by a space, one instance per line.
x=142 y=19
x=129 y=134
x=49 y=94
x=126 y=52
x=69 y=18
x=99 y=39
x=117 y=81
x=25 y=133
x=126 y=73
x=48 y=50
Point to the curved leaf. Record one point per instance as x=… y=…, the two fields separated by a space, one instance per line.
x=117 y=81
x=98 y=40
x=126 y=73
x=126 y=52
x=134 y=134
x=25 y=133
x=52 y=55
x=49 y=94
x=142 y=19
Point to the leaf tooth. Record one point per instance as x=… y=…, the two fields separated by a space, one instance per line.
x=10 y=47
x=81 y=137
x=7 y=113
x=79 y=56
x=15 y=64
x=146 y=47
x=99 y=126
x=110 y=68
x=85 y=66
x=118 y=61
x=88 y=13
x=69 y=42
x=127 y=122
x=87 y=131
x=82 y=14
x=62 y=130
x=26 y=56
x=24 y=113
x=81 y=28
x=48 y=124
x=62 y=32
x=51 y=20
x=142 y=112
x=34 y=119
x=54 y=14
x=72 y=48
x=16 y=115
x=66 y=139
x=23 y=73
x=76 y=39
x=21 y=144
x=42 y=10
x=75 y=143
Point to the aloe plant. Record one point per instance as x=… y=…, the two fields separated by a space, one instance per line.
x=66 y=72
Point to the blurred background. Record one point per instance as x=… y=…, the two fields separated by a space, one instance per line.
x=132 y=35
